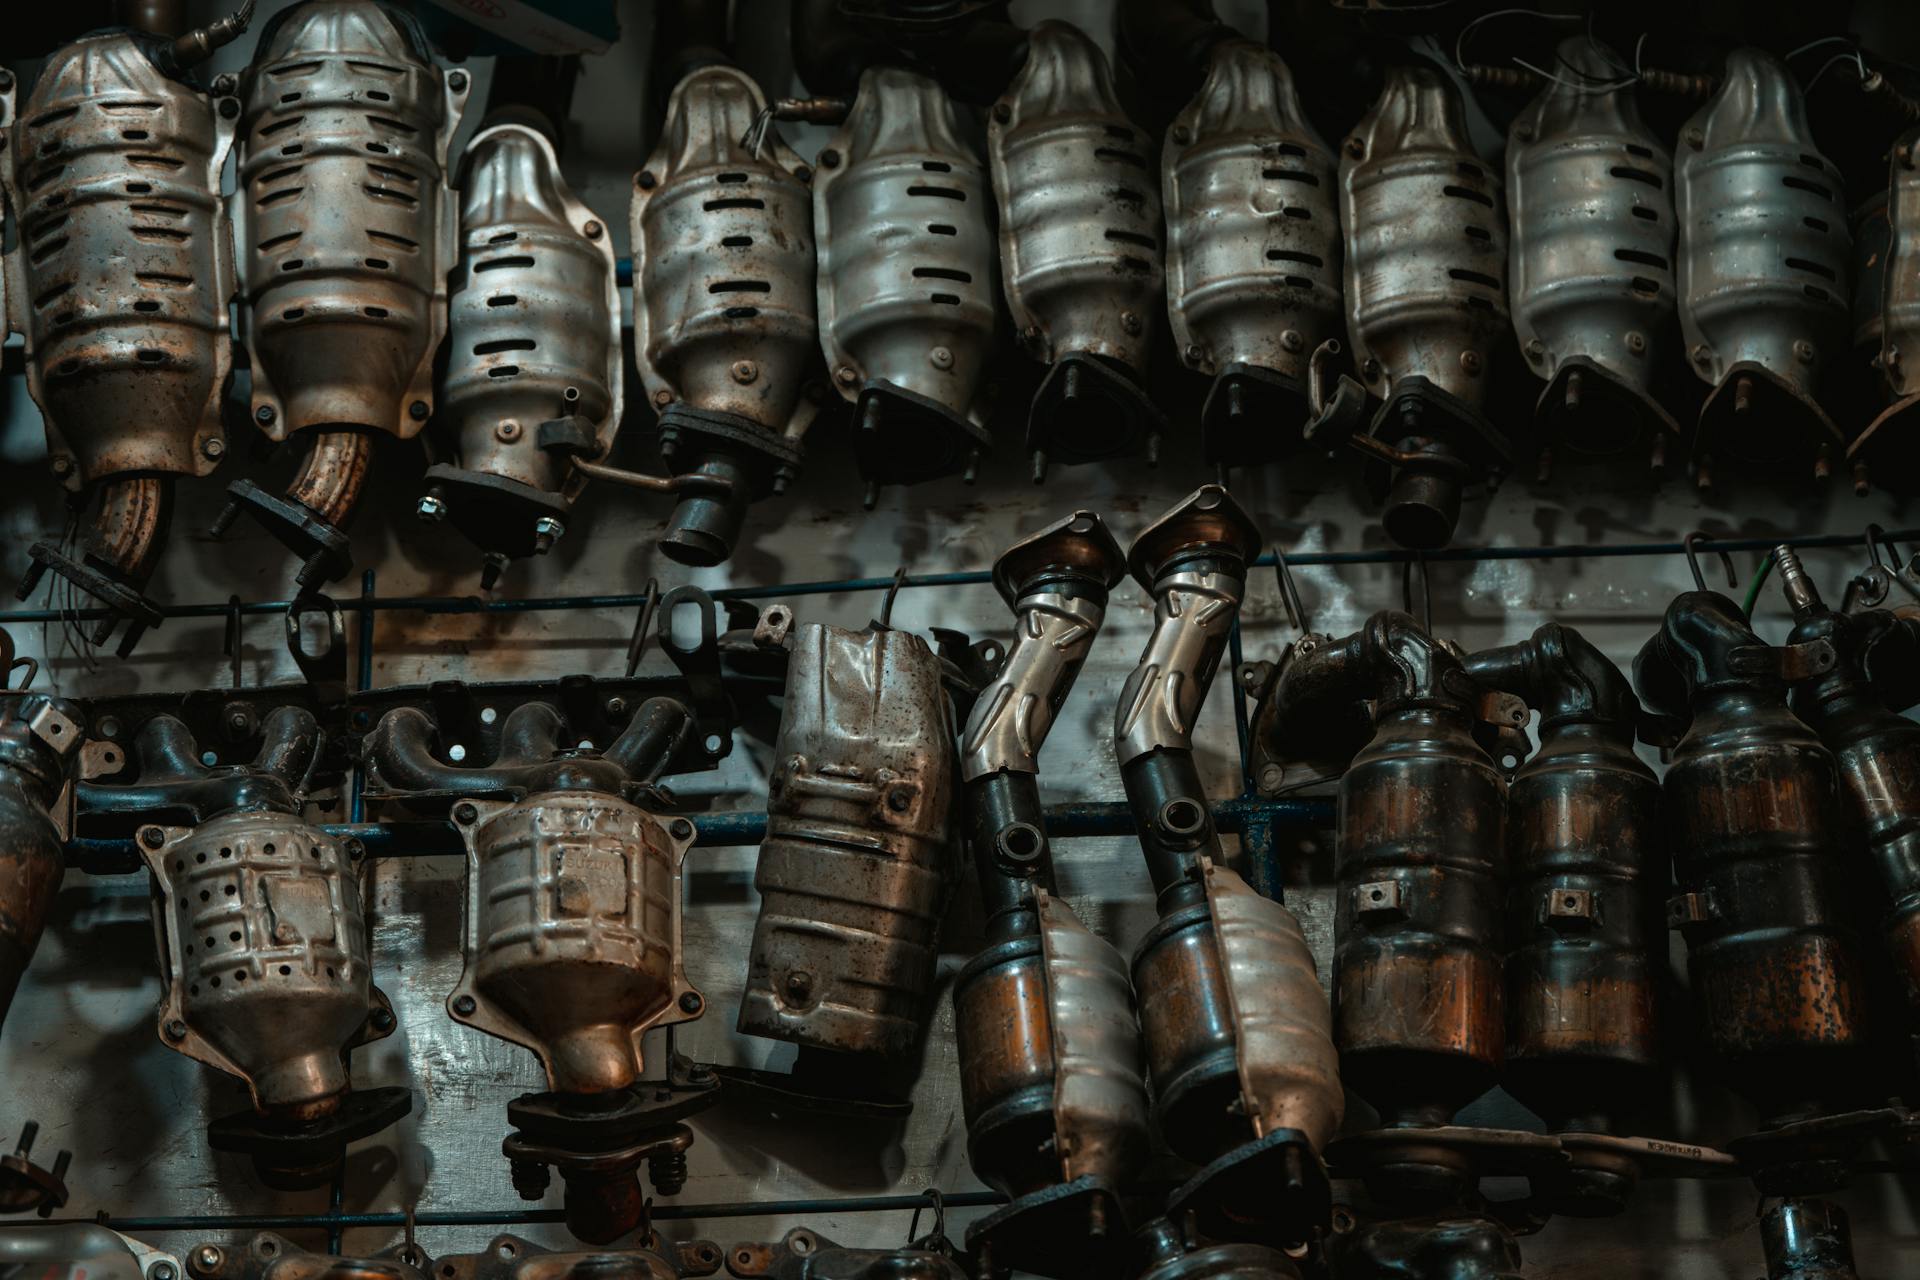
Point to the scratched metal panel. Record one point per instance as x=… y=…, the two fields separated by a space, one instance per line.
x=80 y=1053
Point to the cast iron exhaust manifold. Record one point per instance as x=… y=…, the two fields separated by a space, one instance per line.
x=573 y=943
x=1751 y=801
x=1238 y=1034
x=262 y=940
x=1763 y=274
x=1426 y=277
x=855 y=868
x=120 y=283
x=533 y=383
x=1586 y=938
x=40 y=739
x=804 y=1254
x=1051 y=1076
x=345 y=234
x=648 y=1257
x=1590 y=191
x=724 y=327
x=1251 y=295
x=1417 y=989
x=908 y=296
x=1080 y=251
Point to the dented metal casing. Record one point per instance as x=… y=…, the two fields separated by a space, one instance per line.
x=1426 y=239
x=1764 y=258
x=1238 y=1033
x=1080 y=250
x=1590 y=196
x=907 y=279
x=854 y=871
x=1051 y=1077
x=1751 y=803
x=40 y=739
x=264 y=942
x=533 y=374
x=725 y=333
x=1253 y=250
x=573 y=933
x=1887 y=452
x=123 y=267
x=344 y=228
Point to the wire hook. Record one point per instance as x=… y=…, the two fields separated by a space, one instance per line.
x=939 y=1206
x=1691 y=544
x=893 y=590
x=1418 y=558
x=1290 y=594
x=643 y=625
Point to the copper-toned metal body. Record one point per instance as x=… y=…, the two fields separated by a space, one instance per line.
x=909 y=297
x=573 y=944
x=120 y=282
x=1763 y=272
x=1426 y=292
x=39 y=741
x=258 y=919
x=1169 y=1256
x=1855 y=707
x=273 y=1257
x=1751 y=805
x=855 y=867
x=807 y=1255
x=724 y=333
x=344 y=233
x=1588 y=876
x=1253 y=251
x=1079 y=248
x=533 y=376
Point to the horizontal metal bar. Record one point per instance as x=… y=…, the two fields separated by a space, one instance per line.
x=845 y=586
x=418 y=839
x=521 y=1217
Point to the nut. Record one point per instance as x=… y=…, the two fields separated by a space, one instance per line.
x=1637 y=342
x=829 y=159
x=745 y=371
x=845 y=375
x=465 y=814
x=431 y=509
x=1130 y=322
x=419 y=410
x=176 y=1030
x=457 y=81
x=62 y=464
x=690 y=1002
x=507 y=431
x=265 y=415
x=1803 y=351
x=152 y=837
x=594 y=230
x=213 y=447
x=464 y=1006
x=1470 y=363
x=1291 y=340
x=941 y=358
x=662 y=398
x=207 y=1258
x=680 y=829
x=646 y=181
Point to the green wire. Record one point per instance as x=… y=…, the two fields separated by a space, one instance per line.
x=1753 y=588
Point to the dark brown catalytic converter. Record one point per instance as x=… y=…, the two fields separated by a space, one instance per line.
x=573 y=945
x=39 y=740
x=1751 y=805
x=1586 y=942
x=1238 y=1034
x=124 y=276
x=1050 y=1062
x=1417 y=992
x=1854 y=706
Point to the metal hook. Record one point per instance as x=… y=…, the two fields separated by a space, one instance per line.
x=1876 y=539
x=1691 y=544
x=938 y=1203
x=643 y=625
x=1289 y=594
x=231 y=642
x=893 y=590
x=1426 y=589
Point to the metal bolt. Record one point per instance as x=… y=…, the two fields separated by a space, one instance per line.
x=1637 y=342
x=464 y=1006
x=646 y=180
x=431 y=509
x=152 y=837
x=1370 y=369
x=546 y=531
x=1196 y=354
x=418 y=410
x=207 y=1257
x=531 y=1179
x=1470 y=363
x=1182 y=134
x=508 y=431
x=799 y=986
x=213 y=447
x=803 y=173
x=1130 y=322
x=265 y=415
x=176 y=1030
x=594 y=230
x=680 y=829
x=161 y=1271
x=465 y=814
x=900 y=799
x=457 y=81
x=1803 y=351
x=845 y=375
x=229 y=108
x=1700 y=354
x=829 y=159
x=941 y=358
x=1696 y=139
x=1535 y=348
x=745 y=371
x=616 y=706
x=226 y=84
x=1524 y=133
x=1291 y=340
x=1002 y=112
x=62 y=464
x=690 y=1002
x=1356 y=148
x=1271 y=776
x=108 y=727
